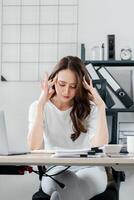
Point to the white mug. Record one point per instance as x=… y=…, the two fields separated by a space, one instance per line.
x=130 y=144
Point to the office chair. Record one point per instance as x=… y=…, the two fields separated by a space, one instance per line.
x=112 y=190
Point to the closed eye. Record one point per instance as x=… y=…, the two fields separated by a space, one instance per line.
x=62 y=85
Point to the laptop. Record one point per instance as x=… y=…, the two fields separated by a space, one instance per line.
x=4 y=145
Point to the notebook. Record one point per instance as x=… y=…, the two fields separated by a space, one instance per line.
x=4 y=143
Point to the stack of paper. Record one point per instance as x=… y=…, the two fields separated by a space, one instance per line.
x=71 y=152
x=42 y=151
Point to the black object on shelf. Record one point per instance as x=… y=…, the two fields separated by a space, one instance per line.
x=83 y=52
x=2 y=78
x=111 y=47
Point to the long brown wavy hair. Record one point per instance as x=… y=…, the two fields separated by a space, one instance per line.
x=81 y=102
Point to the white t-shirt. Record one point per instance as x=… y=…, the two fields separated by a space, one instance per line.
x=58 y=127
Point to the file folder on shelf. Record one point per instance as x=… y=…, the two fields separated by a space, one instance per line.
x=101 y=86
x=115 y=87
x=92 y=72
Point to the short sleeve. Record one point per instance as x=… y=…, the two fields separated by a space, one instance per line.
x=92 y=121
x=32 y=112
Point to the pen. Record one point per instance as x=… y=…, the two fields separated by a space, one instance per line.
x=90 y=156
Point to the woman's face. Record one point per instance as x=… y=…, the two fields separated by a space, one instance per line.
x=65 y=85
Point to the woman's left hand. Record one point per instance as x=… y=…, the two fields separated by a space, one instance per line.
x=93 y=93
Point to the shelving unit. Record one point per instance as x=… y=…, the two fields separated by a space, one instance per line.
x=112 y=111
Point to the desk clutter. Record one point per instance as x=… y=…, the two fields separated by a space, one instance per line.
x=78 y=153
x=109 y=150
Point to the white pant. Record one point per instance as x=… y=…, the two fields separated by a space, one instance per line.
x=80 y=184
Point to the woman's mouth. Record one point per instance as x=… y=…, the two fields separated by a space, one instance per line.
x=66 y=97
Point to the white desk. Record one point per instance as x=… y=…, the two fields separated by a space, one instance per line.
x=43 y=159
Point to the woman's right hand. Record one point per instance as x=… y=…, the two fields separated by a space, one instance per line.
x=47 y=90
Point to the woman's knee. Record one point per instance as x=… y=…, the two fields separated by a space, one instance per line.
x=92 y=180
x=55 y=196
x=67 y=178
x=48 y=185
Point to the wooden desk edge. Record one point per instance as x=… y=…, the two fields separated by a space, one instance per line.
x=46 y=159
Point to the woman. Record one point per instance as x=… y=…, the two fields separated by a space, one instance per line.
x=69 y=114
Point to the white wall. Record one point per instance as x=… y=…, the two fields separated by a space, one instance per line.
x=16 y=187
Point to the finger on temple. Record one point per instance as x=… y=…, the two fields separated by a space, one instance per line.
x=91 y=82
x=84 y=84
x=84 y=78
x=43 y=86
x=45 y=78
x=90 y=96
x=41 y=83
x=44 y=82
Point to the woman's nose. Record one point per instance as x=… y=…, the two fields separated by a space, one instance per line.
x=66 y=90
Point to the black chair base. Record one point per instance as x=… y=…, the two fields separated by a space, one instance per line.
x=40 y=195
x=109 y=194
